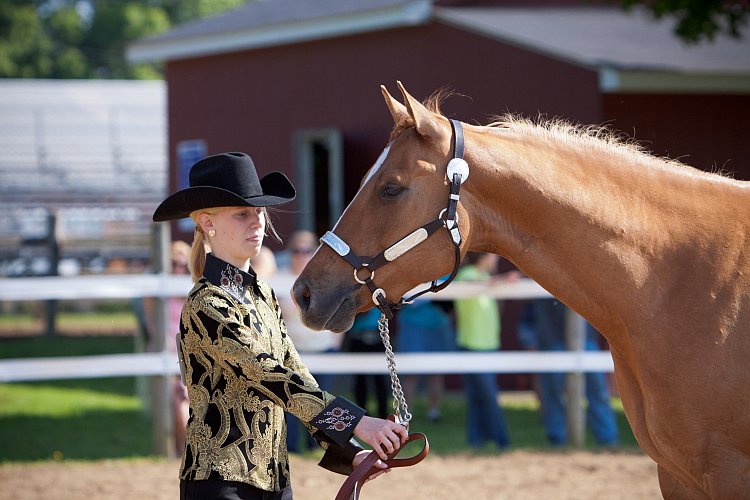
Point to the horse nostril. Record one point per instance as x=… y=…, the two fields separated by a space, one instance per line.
x=301 y=294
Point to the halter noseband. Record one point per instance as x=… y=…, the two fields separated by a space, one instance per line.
x=457 y=172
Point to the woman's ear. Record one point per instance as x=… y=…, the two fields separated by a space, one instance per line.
x=205 y=222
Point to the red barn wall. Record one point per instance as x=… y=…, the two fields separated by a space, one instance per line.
x=253 y=101
x=708 y=132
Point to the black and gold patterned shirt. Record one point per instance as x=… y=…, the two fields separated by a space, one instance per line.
x=242 y=372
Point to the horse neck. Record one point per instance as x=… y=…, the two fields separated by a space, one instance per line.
x=591 y=223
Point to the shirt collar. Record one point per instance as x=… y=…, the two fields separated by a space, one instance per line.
x=229 y=278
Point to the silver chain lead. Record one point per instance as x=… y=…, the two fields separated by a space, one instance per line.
x=399 y=401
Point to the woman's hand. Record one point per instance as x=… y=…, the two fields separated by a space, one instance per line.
x=384 y=436
x=359 y=457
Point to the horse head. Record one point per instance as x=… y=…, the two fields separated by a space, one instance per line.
x=406 y=188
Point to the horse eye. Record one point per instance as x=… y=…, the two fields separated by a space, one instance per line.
x=390 y=191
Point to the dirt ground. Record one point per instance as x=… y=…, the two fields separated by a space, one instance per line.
x=517 y=475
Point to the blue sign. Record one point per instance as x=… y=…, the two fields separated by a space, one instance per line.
x=188 y=153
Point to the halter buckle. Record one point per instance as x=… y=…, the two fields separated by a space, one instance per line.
x=375 y=294
x=449 y=223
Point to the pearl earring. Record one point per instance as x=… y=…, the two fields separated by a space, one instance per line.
x=211 y=233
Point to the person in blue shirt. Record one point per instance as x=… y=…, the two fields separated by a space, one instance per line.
x=542 y=327
x=425 y=326
x=364 y=336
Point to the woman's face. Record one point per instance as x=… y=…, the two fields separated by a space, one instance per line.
x=239 y=233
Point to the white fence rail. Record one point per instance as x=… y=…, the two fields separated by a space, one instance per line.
x=163 y=364
x=128 y=286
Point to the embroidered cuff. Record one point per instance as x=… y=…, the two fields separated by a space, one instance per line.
x=338 y=420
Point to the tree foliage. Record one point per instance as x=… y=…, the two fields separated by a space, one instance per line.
x=699 y=20
x=87 y=38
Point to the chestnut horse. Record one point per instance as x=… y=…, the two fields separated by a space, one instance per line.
x=652 y=252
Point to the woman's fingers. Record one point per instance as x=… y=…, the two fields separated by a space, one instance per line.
x=403 y=433
x=382 y=466
x=385 y=447
x=359 y=458
x=384 y=436
x=393 y=439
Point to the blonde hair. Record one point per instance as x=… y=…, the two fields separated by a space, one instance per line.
x=201 y=246
x=198 y=251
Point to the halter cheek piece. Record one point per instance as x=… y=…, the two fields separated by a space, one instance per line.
x=457 y=172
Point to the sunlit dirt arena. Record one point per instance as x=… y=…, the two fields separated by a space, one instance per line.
x=515 y=475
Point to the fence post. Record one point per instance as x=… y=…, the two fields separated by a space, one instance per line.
x=162 y=426
x=53 y=253
x=575 y=380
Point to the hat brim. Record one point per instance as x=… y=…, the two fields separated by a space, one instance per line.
x=277 y=190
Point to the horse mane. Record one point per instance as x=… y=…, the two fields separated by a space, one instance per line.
x=599 y=137
x=555 y=128
x=591 y=137
x=586 y=137
x=560 y=128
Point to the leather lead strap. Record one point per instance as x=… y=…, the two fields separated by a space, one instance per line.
x=353 y=484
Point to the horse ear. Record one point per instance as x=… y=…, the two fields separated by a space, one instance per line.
x=425 y=121
x=398 y=110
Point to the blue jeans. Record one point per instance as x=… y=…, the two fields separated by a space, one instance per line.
x=599 y=415
x=485 y=419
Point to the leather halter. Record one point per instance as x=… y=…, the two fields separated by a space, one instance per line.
x=457 y=172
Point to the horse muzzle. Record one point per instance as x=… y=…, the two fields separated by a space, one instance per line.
x=321 y=310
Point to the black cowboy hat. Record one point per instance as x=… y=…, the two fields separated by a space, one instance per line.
x=225 y=180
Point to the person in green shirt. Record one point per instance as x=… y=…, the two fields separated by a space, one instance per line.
x=478 y=329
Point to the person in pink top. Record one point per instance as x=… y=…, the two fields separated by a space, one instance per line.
x=180 y=402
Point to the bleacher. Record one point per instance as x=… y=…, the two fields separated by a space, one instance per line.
x=63 y=139
x=82 y=150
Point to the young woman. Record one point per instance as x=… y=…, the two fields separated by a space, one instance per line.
x=240 y=367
